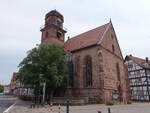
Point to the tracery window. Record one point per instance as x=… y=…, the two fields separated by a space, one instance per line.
x=88 y=71
x=76 y=71
x=112 y=36
x=71 y=74
x=113 y=48
x=118 y=71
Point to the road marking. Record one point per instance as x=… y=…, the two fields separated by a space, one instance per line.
x=7 y=110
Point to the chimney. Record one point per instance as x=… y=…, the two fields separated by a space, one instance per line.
x=68 y=37
x=147 y=59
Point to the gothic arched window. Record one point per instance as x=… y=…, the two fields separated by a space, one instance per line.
x=71 y=74
x=112 y=36
x=77 y=71
x=88 y=71
x=113 y=48
x=118 y=71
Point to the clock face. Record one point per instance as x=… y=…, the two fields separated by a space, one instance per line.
x=59 y=34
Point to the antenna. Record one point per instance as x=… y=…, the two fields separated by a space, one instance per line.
x=68 y=37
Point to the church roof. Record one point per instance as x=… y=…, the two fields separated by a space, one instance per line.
x=56 y=13
x=86 y=39
x=139 y=61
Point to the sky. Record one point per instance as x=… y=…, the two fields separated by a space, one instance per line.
x=20 y=22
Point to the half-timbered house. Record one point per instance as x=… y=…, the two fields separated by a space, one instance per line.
x=139 y=77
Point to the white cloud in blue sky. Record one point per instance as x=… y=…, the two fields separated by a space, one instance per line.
x=20 y=22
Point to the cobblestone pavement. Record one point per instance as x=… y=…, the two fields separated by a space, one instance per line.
x=132 y=108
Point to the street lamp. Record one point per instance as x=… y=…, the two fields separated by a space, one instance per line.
x=44 y=88
x=68 y=58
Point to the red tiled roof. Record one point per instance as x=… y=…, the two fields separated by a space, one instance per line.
x=139 y=61
x=86 y=39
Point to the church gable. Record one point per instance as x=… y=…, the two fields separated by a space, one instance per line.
x=109 y=41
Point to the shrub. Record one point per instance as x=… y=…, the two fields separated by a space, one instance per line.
x=129 y=102
x=110 y=102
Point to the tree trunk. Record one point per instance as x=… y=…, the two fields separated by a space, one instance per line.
x=51 y=97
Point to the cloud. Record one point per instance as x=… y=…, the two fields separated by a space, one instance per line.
x=20 y=23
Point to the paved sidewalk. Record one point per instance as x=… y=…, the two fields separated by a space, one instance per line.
x=24 y=107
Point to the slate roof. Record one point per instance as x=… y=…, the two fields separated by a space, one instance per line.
x=86 y=39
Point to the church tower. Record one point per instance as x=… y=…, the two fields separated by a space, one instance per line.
x=53 y=31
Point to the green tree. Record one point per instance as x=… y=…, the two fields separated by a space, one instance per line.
x=44 y=63
x=1 y=88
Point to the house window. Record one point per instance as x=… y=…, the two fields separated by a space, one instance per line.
x=113 y=49
x=88 y=71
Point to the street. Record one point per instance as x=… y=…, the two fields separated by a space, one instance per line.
x=24 y=107
x=6 y=101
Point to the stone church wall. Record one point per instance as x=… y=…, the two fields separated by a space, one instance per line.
x=94 y=93
x=105 y=79
x=110 y=59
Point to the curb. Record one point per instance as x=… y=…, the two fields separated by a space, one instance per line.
x=7 y=110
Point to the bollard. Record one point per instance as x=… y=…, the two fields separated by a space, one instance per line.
x=99 y=112
x=51 y=108
x=59 y=108
x=109 y=110
x=67 y=106
x=32 y=105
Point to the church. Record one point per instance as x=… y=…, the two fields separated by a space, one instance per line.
x=99 y=72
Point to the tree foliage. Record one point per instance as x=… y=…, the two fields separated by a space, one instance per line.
x=44 y=63
x=1 y=88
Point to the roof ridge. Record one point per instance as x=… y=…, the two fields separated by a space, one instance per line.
x=100 y=39
x=77 y=36
x=137 y=58
x=140 y=61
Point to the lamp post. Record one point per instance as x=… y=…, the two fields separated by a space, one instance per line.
x=68 y=58
x=44 y=88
